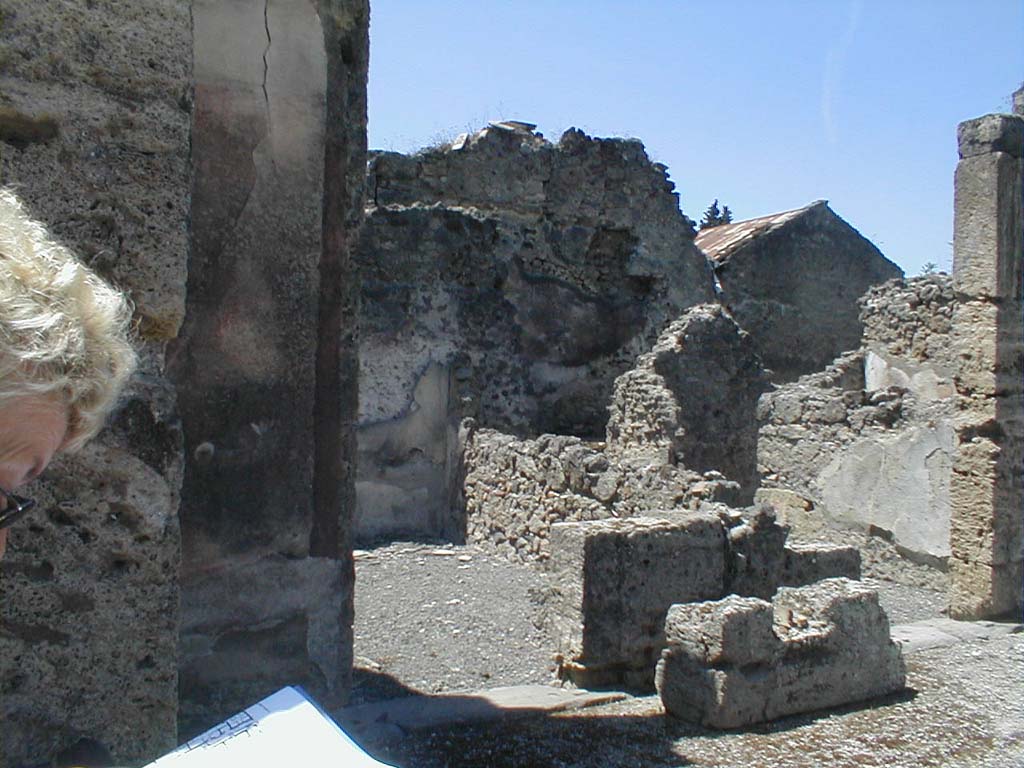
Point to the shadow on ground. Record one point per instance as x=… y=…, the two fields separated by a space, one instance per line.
x=591 y=738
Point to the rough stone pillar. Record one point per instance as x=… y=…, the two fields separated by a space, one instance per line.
x=267 y=399
x=94 y=137
x=987 y=502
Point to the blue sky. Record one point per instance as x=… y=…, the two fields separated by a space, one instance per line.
x=765 y=105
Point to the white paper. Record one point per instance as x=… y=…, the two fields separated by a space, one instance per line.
x=285 y=729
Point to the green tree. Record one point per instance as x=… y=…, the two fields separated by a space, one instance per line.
x=929 y=268
x=714 y=217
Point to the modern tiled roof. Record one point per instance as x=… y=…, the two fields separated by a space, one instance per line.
x=718 y=242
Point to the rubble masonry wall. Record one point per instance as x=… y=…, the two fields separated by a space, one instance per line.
x=508 y=279
x=94 y=137
x=877 y=425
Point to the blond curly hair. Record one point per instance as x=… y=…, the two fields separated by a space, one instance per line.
x=63 y=330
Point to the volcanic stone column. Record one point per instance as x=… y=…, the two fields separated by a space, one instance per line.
x=986 y=485
x=266 y=367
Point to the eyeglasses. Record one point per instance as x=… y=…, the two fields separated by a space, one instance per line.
x=17 y=507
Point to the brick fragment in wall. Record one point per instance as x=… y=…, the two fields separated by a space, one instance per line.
x=615 y=580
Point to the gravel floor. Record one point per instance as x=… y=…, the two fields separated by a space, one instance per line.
x=964 y=708
x=440 y=618
x=445 y=618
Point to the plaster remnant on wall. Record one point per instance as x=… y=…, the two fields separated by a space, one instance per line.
x=869 y=441
x=534 y=272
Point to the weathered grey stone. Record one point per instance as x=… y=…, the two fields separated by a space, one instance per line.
x=819 y=647
x=467 y=248
x=809 y=563
x=986 y=254
x=615 y=582
x=869 y=442
x=991 y=133
x=89 y=611
x=792 y=280
x=757 y=555
x=94 y=136
x=733 y=631
x=248 y=624
x=266 y=363
x=692 y=400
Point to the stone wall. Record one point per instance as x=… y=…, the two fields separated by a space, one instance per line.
x=514 y=490
x=792 y=280
x=987 y=484
x=869 y=440
x=266 y=363
x=510 y=280
x=94 y=137
x=692 y=400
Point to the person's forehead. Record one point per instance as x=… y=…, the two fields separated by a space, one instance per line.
x=35 y=423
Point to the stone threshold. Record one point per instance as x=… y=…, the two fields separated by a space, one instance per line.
x=940 y=632
x=382 y=721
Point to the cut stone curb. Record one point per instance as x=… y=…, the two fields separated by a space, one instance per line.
x=385 y=720
x=936 y=633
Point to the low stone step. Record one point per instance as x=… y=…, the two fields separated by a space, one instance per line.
x=385 y=720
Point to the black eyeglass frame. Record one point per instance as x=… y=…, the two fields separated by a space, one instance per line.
x=21 y=507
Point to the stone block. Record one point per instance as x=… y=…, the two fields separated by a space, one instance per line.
x=757 y=555
x=980 y=590
x=808 y=563
x=249 y=626
x=987 y=228
x=617 y=579
x=991 y=133
x=734 y=630
x=830 y=646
